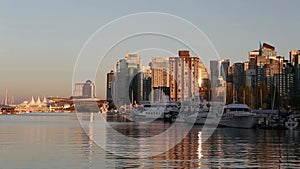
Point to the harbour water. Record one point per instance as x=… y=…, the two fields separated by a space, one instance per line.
x=56 y=140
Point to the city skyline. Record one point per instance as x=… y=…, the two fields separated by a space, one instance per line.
x=290 y=59
x=266 y=79
x=39 y=47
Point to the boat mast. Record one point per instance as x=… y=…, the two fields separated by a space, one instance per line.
x=274 y=94
x=233 y=95
x=6 y=99
x=131 y=99
x=244 y=99
x=12 y=100
x=261 y=100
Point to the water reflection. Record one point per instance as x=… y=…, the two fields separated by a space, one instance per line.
x=234 y=148
x=199 y=147
x=134 y=140
x=58 y=141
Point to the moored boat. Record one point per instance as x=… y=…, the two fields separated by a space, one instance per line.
x=233 y=115
x=277 y=119
x=238 y=116
x=156 y=111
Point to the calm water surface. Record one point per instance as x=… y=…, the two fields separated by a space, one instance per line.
x=48 y=141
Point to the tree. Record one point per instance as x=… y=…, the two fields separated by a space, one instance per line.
x=263 y=95
x=229 y=93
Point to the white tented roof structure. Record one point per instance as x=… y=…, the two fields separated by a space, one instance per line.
x=44 y=100
x=32 y=102
x=38 y=102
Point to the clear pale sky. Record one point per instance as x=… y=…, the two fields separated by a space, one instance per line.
x=40 y=40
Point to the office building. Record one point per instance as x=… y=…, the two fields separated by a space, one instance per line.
x=187 y=76
x=147 y=83
x=109 y=84
x=295 y=63
x=218 y=71
x=160 y=79
x=128 y=85
x=294 y=57
x=86 y=89
x=218 y=77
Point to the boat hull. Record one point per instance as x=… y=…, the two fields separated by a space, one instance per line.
x=148 y=119
x=239 y=121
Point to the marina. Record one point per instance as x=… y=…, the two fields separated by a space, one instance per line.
x=232 y=115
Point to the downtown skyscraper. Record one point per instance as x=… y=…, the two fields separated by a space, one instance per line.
x=188 y=77
x=295 y=63
x=110 y=77
x=160 y=79
x=127 y=84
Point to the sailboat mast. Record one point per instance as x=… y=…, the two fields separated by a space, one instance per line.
x=233 y=95
x=244 y=99
x=261 y=100
x=274 y=94
x=6 y=99
x=131 y=97
x=236 y=97
x=12 y=100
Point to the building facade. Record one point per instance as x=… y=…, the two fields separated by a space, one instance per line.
x=147 y=83
x=128 y=83
x=160 y=79
x=219 y=77
x=109 y=84
x=86 y=89
x=187 y=76
x=294 y=57
x=295 y=91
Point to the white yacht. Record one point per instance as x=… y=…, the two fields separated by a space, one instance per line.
x=238 y=115
x=156 y=111
x=234 y=115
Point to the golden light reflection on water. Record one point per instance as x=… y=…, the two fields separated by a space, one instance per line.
x=199 y=147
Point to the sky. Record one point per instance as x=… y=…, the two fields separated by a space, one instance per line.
x=41 y=40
